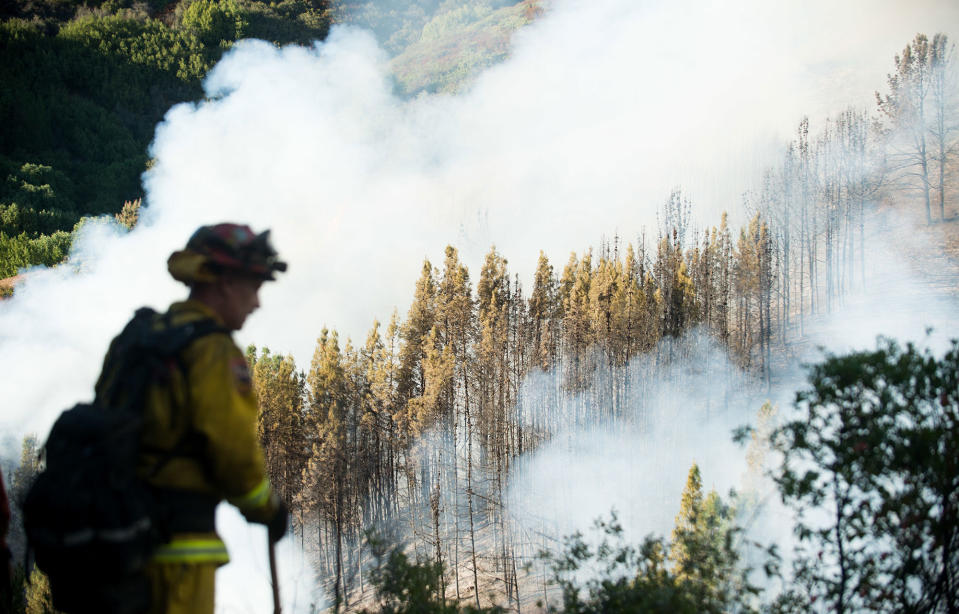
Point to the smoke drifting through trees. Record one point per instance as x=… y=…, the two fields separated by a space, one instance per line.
x=432 y=428
x=339 y=158
x=446 y=427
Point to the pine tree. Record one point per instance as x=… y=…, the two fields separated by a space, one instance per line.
x=377 y=424
x=456 y=315
x=577 y=329
x=280 y=392
x=419 y=322
x=945 y=91
x=675 y=286
x=908 y=117
x=690 y=509
x=544 y=312
x=703 y=555
x=326 y=477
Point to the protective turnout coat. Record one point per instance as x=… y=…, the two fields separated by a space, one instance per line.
x=199 y=443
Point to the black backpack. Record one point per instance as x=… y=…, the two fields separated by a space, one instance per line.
x=91 y=522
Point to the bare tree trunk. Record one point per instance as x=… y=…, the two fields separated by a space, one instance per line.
x=924 y=166
x=435 y=509
x=338 y=527
x=942 y=180
x=469 y=502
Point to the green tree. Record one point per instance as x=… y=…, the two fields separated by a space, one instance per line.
x=214 y=22
x=675 y=286
x=753 y=284
x=870 y=466
x=607 y=306
x=702 y=550
x=690 y=509
x=22 y=252
x=493 y=302
x=630 y=579
x=432 y=407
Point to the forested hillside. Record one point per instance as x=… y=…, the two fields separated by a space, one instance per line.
x=85 y=83
x=421 y=424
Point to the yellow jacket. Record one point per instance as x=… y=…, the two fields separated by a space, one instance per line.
x=203 y=410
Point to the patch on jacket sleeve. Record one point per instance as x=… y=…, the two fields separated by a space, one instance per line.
x=241 y=374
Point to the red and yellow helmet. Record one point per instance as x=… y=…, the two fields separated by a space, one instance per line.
x=225 y=248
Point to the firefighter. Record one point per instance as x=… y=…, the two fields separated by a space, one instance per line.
x=199 y=443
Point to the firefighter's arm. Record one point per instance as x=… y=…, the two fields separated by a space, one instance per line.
x=225 y=413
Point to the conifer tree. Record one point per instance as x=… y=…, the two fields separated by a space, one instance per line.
x=456 y=309
x=419 y=322
x=377 y=421
x=280 y=392
x=577 y=330
x=636 y=318
x=326 y=477
x=432 y=407
x=690 y=509
x=675 y=286
x=701 y=551
x=945 y=96
x=493 y=297
x=544 y=311
x=908 y=117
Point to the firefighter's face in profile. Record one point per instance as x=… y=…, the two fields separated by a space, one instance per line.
x=242 y=299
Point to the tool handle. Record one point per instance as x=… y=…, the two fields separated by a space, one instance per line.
x=273 y=577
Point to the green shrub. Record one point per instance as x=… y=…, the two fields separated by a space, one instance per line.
x=214 y=22
x=20 y=251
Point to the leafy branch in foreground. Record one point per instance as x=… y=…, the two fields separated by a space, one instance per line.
x=871 y=466
x=698 y=572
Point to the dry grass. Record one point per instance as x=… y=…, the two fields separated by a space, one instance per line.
x=7 y=286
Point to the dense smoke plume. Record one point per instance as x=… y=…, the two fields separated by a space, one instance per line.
x=602 y=109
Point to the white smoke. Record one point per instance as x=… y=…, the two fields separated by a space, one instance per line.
x=603 y=107
x=673 y=415
x=685 y=412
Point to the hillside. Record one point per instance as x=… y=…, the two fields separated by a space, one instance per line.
x=85 y=85
x=457 y=44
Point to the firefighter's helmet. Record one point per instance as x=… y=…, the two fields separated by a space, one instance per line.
x=225 y=248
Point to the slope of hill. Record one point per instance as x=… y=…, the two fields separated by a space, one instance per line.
x=456 y=45
x=85 y=85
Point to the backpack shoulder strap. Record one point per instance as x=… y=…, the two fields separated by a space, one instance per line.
x=169 y=343
x=170 y=340
x=141 y=345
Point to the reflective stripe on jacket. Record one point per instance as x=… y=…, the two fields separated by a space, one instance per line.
x=190 y=548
